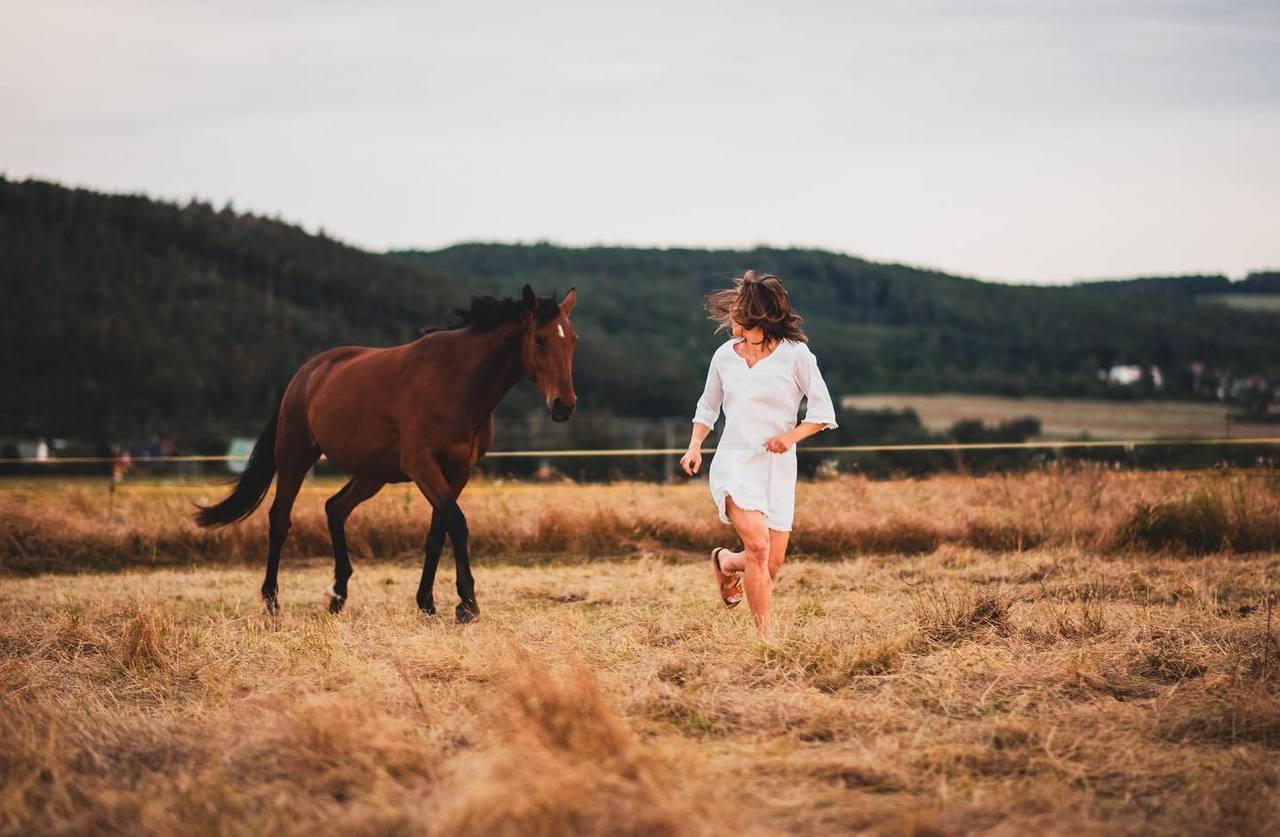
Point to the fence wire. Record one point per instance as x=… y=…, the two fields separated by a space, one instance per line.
x=1066 y=444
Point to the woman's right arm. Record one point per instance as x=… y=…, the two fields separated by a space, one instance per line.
x=704 y=419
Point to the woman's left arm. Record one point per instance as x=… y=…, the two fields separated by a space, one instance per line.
x=819 y=415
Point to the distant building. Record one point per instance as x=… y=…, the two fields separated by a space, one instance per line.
x=1127 y=375
x=1121 y=376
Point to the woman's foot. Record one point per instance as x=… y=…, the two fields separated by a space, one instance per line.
x=730 y=583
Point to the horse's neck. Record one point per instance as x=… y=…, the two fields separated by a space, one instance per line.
x=487 y=366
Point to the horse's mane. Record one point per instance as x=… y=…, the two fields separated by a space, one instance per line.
x=489 y=312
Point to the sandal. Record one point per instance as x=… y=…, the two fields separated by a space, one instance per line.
x=730 y=583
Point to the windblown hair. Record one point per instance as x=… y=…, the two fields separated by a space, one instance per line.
x=488 y=312
x=757 y=299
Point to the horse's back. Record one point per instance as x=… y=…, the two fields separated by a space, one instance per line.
x=361 y=407
x=318 y=372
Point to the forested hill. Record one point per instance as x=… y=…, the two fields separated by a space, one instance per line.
x=122 y=313
x=880 y=327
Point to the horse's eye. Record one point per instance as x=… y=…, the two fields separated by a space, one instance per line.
x=541 y=341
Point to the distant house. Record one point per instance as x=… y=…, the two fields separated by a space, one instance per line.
x=1121 y=376
x=1127 y=375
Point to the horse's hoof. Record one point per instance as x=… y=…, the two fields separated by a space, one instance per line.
x=272 y=604
x=466 y=614
x=334 y=600
x=429 y=610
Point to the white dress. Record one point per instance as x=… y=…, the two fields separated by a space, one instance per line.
x=759 y=403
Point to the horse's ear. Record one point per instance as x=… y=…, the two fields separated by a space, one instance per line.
x=570 y=299
x=530 y=299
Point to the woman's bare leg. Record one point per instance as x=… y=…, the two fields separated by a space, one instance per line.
x=736 y=562
x=754 y=533
x=778 y=541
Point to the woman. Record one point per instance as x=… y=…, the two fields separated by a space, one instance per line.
x=759 y=377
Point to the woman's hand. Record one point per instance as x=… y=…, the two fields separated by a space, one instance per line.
x=780 y=443
x=691 y=461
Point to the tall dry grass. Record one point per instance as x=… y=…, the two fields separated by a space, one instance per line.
x=46 y=527
x=179 y=713
x=1043 y=691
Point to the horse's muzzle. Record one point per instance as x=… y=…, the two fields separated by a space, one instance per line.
x=560 y=410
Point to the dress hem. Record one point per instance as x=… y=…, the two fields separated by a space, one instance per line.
x=719 y=498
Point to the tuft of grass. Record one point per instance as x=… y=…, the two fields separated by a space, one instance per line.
x=948 y=616
x=992 y=536
x=830 y=663
x=147 y=641
x=1081 y=617
x=1168 y=659
x=1209 y=519
x=1198 y=524
x=1220 y=712
x=561 y=761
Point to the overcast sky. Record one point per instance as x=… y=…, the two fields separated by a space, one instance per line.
x=1037 y=140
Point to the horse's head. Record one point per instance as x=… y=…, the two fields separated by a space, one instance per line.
x=547 y=354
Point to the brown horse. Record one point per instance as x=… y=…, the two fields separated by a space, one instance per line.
x=422 y=411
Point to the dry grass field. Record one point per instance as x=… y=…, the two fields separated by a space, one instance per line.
x=1068 y=418
x=1060 y=652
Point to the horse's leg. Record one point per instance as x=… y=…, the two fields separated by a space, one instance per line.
x=338 y=508
x=468 y=608
x=293 y=460
x=435 y=545
x=431 y=481
x=281 y=517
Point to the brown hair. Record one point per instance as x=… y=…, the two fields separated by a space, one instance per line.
x=757 y=299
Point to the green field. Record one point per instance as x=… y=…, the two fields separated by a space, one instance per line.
x=1268 y=303
x=1068 y=418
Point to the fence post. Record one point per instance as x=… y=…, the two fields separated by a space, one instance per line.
x=668 y=463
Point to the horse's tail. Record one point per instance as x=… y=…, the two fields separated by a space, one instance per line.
x=252 y=485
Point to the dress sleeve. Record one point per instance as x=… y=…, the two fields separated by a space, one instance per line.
x=809 y=378
x=712 y=397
